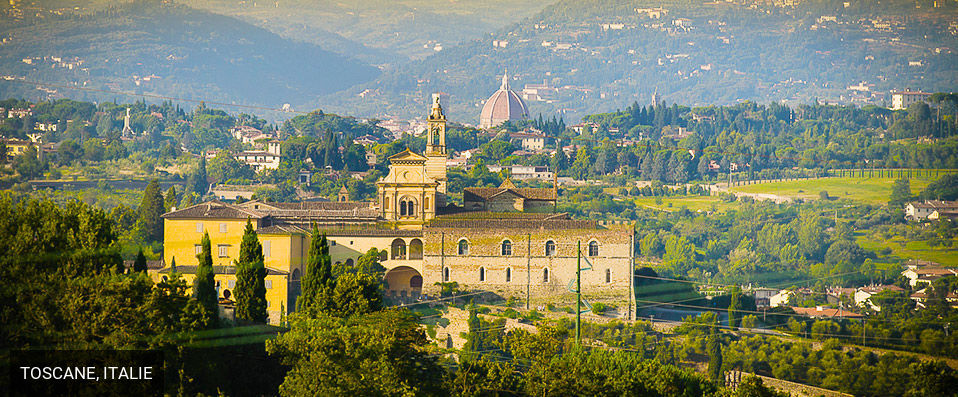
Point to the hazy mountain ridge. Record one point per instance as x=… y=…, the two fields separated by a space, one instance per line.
x=387 y=32
x=172 y=50
x=696 y=53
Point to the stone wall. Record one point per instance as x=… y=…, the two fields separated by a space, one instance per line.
x=486 y=268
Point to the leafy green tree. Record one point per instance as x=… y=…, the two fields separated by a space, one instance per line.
x=369 y=263
x=381 y=354
x=811 y=236
x=484 y=377
x=250 y=291
x=27 y=164
x=318 y=280
x=225 y=167
x=900 y=193
x=932 y=378
x=139 y=264
x=945 y=188
x=150 y=211
x=601 y=372
x=752 y=386
x=204 y=285
x=356 y=294
x=679 y=255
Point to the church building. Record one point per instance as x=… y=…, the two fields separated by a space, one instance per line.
x=506 y=241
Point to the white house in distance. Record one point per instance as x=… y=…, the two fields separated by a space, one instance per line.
x=903 y=99
x=925 y=272
x=261 y=160
x=917 y=211
x=530 y=142
x=520 y=172
x=863 y=295
x=780 y=299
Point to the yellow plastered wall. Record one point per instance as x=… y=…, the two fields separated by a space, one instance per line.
x=181 y=236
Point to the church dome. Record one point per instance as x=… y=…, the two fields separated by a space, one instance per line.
x=504 y=105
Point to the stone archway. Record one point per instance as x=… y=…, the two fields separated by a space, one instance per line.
x=398 y=249
x=403 y=282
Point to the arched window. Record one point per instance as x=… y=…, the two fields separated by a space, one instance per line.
x=550 y=248
x=425 y=203
x=508 y=274
x=463 y=247
x=608 y=275
x=506 y=248
x=482 y=274
x=445 y=274
x=407 y=207
x=545 y=275
x=593 y=248
x=415 y=281
x=349 y=262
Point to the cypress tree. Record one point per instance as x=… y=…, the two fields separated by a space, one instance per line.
x=204 y=285
x=715 y=359
x=732 y=309
x=250 y=288
x=139 y=265
x=318 y=280
x=170 y=198
x=150 y=211
x=197 y=181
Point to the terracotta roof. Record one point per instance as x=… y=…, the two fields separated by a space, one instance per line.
x=935 y=271
x=874 y=289
x=282 y=229
x=485 y=193
x=494 y=221
x=305 y=205
x=214 y=210
x=824 y=312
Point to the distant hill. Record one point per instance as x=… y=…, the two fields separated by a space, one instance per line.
x=385 y=32
x=606 y=54
x=174 y=50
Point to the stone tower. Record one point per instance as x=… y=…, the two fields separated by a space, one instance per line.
x=436 y=146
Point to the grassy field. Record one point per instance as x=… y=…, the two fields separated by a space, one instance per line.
x=866 y=190
x=903 y=250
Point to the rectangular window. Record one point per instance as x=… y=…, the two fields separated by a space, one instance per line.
x=199 y=227
x=269 y=284
x=267 y=249
x=231 y=284
x=224 y=250
x=197 y=249
x=222 y=228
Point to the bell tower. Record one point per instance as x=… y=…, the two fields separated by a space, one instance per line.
x=436 y=145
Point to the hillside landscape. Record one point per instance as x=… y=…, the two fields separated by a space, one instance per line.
x=605 y=55
x=169 y=50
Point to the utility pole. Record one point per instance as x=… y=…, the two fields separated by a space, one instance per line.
x=578 y=293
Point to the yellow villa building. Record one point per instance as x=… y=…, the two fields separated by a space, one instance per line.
x=505 y=240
